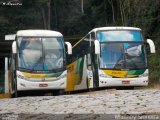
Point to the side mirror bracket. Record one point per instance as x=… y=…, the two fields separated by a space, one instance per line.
x=69 y=47
x=97 y=47
x=151 y=45
x=14 y=47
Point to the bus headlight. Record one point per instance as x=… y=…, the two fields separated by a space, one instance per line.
x=21 y=77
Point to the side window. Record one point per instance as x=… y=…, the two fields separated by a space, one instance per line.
x=92 y=41
x=81 y=49
x=89 y=61
x=75 y=55
x=87 y=38
x=85 y=45
x=92 y=36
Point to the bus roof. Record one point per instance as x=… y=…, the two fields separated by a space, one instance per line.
x=114 y=28
x=40 y=33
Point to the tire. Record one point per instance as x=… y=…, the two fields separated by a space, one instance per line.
x=58 y=92
x=125 y=88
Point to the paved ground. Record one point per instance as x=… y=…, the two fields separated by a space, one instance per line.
x=139 y=102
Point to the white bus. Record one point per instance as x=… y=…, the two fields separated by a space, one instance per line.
x=109 y=56
x=38 y=61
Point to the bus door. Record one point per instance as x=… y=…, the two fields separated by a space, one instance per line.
x=94 y=60
x=89 y=72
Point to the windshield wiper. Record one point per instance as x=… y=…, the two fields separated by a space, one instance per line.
x=23 y=69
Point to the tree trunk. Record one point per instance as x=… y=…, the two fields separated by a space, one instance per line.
x=113 y=14
x=82 y=10
x=105 y=7
x=124 y=16
x=55 y=12
x=44 y=18
x=49 y=15
x=121 y=11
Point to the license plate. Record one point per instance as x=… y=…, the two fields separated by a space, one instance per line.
x=43 y=85
x=125 y=82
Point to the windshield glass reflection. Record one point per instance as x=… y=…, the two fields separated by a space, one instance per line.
x=123 y=35
x=40 y=53
x=123 y=56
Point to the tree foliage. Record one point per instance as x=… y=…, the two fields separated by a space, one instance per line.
x=66 y=15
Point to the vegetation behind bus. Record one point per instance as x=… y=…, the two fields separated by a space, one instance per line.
x=154 y=64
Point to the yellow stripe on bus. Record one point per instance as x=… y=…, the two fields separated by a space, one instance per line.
x=7 y=95
x=31 y=75
x=71 y=76
x=118 y=73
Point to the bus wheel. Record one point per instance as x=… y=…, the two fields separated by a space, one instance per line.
x=58 y=92
x=87 y=83
x=130 y=88
x=61 y=92
x=14 y=95
x=125 y=88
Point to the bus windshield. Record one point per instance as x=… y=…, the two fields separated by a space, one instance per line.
x=123 y=56
x=40 y=53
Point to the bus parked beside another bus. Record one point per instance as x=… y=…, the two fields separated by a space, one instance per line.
x=38 y=61
x=109 y=56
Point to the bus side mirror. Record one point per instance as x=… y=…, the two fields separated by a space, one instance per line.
x=69 y=47
x=97 y=47
x=151 y=45
x=10 y=37
x=14 y=47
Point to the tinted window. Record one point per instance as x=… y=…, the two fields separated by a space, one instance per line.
x=128 y=35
